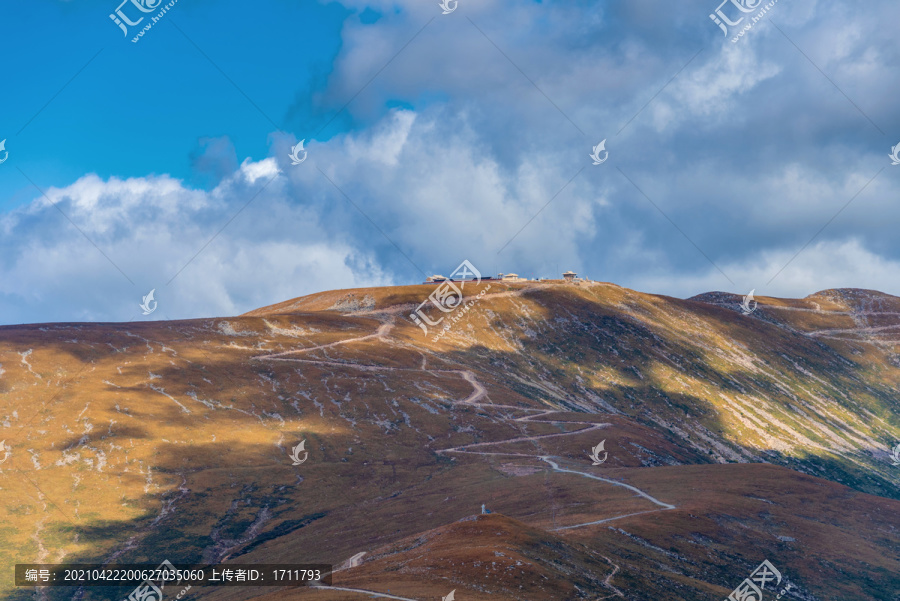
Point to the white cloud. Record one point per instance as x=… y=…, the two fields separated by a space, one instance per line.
x=253 y=171
x=150 y=228
x=443 y=196
x=385 y=142
x=821 y=266
x=711 y=90
x=750 y=150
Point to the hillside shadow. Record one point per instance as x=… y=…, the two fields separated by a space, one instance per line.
x=631 y=353
x=244 y=497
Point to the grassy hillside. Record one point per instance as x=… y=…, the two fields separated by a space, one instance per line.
x=731 y=439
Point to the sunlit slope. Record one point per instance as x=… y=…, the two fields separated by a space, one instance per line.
x=816 y=379
x=141 y=442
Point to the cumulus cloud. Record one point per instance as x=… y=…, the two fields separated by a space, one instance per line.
x=749 y=150
x=743 y=152
x=202 y=253
x=439 y=192
x=821 y=266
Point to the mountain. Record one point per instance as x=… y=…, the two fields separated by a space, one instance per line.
x=728 y=439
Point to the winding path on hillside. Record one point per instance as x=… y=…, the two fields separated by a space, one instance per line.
x=479 y=392
x=859 y=330
x=362 y=590
x=381 y=334
x=616 y=592
x=548 y=459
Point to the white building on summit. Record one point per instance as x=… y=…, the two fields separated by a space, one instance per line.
x=510 y=277
x=569 y=276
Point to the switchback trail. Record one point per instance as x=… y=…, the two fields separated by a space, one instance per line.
x=361 y=590
x=380 y=334
x=628 y=486
x=589 y=426
x=479 y=393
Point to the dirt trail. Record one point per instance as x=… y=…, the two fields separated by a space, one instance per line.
x=617 y=592
x=555 y=466
x=860 y=330
x=628 y=486
x=381 y=334
x=827 y=312
x=462 y=449
x=479 y=392
x=589 y=427
x=361 y=590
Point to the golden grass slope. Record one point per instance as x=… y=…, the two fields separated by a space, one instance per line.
x=146 y=441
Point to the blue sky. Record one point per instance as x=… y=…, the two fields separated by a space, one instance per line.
x=138 y=109
x=432 y=138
